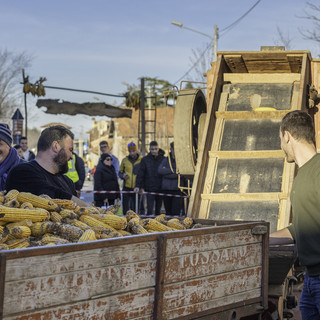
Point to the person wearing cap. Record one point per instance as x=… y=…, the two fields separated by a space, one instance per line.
x=9 y=157
x=128 y=172
x=105 y=179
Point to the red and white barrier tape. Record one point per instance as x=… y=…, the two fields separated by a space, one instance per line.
x=152 y=193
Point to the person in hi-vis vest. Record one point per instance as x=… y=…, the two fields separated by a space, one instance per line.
x=76 y=171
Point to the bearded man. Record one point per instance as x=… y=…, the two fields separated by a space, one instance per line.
x=45 y=174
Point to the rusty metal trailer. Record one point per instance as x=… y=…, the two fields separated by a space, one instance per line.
x=217 y=272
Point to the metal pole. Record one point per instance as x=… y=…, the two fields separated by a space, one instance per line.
x=215 y=45
x=143 y=119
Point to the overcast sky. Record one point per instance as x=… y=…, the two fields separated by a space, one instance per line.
x=98 y=44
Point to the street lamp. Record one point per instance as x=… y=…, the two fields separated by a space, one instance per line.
x=214 y=39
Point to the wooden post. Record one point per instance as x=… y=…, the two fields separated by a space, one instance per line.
x=143 y=119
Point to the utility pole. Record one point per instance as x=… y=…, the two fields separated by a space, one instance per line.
x=143 y=119
x=215 y=46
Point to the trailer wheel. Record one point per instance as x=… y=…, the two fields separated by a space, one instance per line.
x=189 y=118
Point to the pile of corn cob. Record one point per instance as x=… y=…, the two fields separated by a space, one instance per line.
x=28 y=220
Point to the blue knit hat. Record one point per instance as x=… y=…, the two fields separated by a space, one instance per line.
x=5 y=134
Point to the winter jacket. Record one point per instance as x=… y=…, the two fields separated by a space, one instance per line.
x=105 y=179
x=130 y=167
x=169 y=177
x=148 y=177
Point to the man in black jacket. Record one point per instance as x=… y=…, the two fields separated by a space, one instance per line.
x=148 y=178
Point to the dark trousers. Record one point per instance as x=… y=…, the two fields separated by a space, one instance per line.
x=128 y=200
x=172 y=205
x=151 y=201
x=101 y=203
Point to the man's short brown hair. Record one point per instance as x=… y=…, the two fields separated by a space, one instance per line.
x=300 y=125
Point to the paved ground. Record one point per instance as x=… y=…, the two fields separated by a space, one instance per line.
x=87 y=197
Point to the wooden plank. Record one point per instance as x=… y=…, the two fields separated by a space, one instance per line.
x=211 y=241
x=295 y=97
x=261 y=78
x=3 y=261
x=59 y=289
x=52 y=264
x=295 y=62
x=206 y=263
x=130 y=305
x=217 y=289
x=279 y=114
x=236 y=63
x=270 y=154
x=268 y=196
x=315 y=74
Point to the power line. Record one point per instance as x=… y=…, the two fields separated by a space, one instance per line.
x=226 y=29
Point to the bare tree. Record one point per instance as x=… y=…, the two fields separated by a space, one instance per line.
x=11 y=64
x=283 y=39
x=312 y=13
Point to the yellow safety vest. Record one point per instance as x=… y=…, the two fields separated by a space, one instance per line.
x=72 y=172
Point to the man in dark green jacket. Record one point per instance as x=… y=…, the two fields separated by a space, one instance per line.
x=298 y=143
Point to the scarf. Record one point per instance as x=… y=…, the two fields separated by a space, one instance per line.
x=11 y=161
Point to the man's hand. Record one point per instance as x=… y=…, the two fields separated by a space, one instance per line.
x=136 y=190
x=126 y=177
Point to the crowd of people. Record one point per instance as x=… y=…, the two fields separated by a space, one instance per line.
x=148 y=176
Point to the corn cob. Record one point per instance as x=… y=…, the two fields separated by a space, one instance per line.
x=65 y=204
x=4 y=237
x=105 y=236
x=151 y=224
x=37 y=201
x=45 y=196
x=79 y=224
x=17 y=214
x=187 y=222
x=2 y=198
x=92 y=222
x=26 y=205
x=18 y=243
x=124 y=233
x=161 y=218
x=72 y=233
x=40 y=228
x=55 y=216
x=4 y=246
x=20 y=232
x=12 y=204
x=114 y=209
x=138 y=229
x=88 y=235
x=134 y=221
x=25 y=223
x=12 y=194
x=3 y=223
x=53 y=239
x=130 y=214
x=66 y=213
x=175 y=224
x=1 y=229
x=117 y=222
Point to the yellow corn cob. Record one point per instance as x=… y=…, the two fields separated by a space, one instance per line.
x=40 y=228
x=134 y=221
x=151 y=224
x=18 y=243
x=161 y=218
x=1 y=198
x=17 y=214
x=12 y=204
x=4 y=237
x=175 y=224
x=37 y=201
x=26 y=205
x=55 y=216
x=79 y=224
x=114 y=208
x=1 y=229
x=105 y=236
x=12 y=194
x=4 y=246
x=65 y=204
x=130 y=214
x=88 y=235
x=72 y=233
x=92 y=222
x=93 y=210
x=25 y=223
x=53 y=239
x=3 y=223
x=138 y=229
x=20 y=232
x=117 y=222
x=124 y=233
x=187 y=222
x=66 y=213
